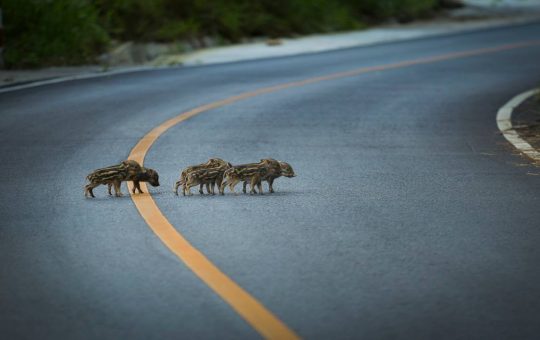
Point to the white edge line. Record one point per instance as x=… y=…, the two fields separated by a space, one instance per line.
x=504 y=122
x=79 y=76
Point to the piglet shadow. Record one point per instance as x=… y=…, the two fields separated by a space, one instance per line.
x=125 y=196
x=195 y=196
x=108 y=197
x=152 y=193
x=241 y=194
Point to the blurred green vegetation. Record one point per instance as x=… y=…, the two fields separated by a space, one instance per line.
x=59 y=32
x=63 y=32
x=166 y=20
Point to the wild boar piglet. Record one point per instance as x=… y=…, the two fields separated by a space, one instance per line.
x=252 y=172
x=202 y=177
x=212 y=163
x=113 y=176
x=276 y=169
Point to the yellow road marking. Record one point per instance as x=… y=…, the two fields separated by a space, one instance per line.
x=260 y=318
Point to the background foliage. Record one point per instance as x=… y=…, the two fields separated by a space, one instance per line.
x=55 y=32
x=61 y=32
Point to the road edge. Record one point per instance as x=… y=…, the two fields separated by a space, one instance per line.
x=81 y=76
x=504 y=123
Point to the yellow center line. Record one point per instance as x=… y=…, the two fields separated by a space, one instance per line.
x=258 y=316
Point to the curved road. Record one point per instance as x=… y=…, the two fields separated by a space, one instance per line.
x=409 y=217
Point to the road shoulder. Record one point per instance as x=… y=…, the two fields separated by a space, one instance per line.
x=11 y=80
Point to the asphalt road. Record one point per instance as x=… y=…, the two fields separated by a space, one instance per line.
x=409 y=217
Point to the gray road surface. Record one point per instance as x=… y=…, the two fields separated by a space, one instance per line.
x=409 y=218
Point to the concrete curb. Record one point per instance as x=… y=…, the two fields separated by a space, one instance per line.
x=504 y=122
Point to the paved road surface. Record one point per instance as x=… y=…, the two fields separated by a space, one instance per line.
x=409 y=217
